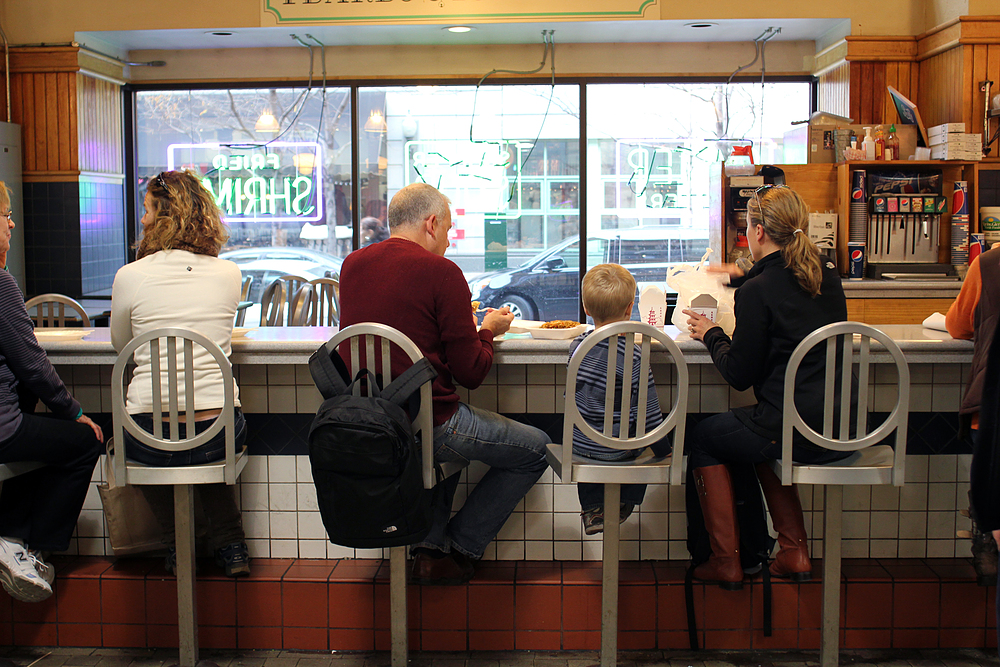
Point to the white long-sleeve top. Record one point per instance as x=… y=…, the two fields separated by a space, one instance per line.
x=175 y=288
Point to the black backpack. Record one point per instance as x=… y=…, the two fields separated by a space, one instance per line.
x=365 y=460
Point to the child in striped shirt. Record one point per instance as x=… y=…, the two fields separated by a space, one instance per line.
x=608 y=296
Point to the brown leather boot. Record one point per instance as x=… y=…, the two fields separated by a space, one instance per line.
x=792 y=561
x=715 y=494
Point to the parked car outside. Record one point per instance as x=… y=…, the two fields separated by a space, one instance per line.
x=547 y=286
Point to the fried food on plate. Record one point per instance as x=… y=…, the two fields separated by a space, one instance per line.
x=560 y=324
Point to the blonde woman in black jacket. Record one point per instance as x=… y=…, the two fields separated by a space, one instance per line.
x=789 y=293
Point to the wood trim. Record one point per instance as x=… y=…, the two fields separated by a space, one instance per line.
x=830 y=58
x=939 y=41
x=44 y=59
x=880 y=49
x=51 y=177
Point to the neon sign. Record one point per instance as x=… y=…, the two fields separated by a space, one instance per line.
x=481 y=177
x=278 y=182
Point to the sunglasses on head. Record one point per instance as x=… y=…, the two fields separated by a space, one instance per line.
x=162 y=183
x=764 y=188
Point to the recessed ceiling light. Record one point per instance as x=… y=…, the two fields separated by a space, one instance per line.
x=220 y=33
x=458 y=28
x=700 y=25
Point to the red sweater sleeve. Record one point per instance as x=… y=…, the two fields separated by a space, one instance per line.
x=468 y=353
x=961 y=314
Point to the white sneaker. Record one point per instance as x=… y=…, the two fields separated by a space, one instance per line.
x=18 y=574
x=45 y=570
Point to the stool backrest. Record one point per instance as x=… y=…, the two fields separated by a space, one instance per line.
x=50 y=310
x=301 y=309
x=642 y=335
x=377 y=340
x=272 y=305
x=325 y=310
x=848 y=355
x=178 y=345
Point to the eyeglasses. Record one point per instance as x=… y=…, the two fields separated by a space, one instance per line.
x=9 y=215
x=764 y=188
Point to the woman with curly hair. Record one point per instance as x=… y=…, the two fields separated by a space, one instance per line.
x=790 y=292
x=178 y=280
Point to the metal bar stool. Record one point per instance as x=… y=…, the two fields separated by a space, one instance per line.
x=50 y=310
x=848 y=351
x=646 y=469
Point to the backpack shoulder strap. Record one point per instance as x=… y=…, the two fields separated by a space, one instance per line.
x=409 y=382
x=329 y=372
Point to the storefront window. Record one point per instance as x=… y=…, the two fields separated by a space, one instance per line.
x=278 y=162
x=650 y=149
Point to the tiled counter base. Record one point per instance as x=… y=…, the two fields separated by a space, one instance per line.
x=342 y=605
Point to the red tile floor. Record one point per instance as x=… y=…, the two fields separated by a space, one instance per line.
x=342 y=605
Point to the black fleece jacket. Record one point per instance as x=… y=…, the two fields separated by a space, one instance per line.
x=773 y=315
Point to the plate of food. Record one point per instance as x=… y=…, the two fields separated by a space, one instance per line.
x=558 y=330
x=524 y=326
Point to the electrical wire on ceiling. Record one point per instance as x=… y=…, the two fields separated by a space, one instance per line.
x=759 y=44
x=322 y=109
x=548 y=52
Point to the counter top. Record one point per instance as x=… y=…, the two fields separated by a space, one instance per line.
x=901 y=289
x=294 y=345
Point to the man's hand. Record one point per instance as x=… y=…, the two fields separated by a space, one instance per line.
x=498 y=320
x=84 y=419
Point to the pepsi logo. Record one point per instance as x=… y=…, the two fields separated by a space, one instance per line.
x=856 y=255
x=958 y=203
x=858 y=194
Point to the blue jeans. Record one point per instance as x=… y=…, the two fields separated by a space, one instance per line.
x=592 y=494
x=515 y=453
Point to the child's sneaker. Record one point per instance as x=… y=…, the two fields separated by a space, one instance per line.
x=44 y=570
x=625 y=511
x=18 y=574
x=593 y=520
x=234 y=559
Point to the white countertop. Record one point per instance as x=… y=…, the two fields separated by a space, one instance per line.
x=294 y=345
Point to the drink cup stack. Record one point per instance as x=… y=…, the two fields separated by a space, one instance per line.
x=960 y=228
x=858 y=218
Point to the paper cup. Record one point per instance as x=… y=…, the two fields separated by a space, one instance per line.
x=989 y=224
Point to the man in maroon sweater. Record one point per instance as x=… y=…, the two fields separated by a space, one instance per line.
x=406 y=283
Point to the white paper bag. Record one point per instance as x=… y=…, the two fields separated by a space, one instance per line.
x=695 y=288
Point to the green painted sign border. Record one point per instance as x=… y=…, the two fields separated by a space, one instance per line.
x=448 y=17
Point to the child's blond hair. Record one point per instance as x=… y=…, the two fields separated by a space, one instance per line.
x=607 y=290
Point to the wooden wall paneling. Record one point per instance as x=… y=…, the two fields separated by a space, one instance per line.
x=74 y=123
x=38 y=118
x=65 y=147
x=855 y=87
x=52 y=121
x=878 y=93
x=856 y=310
x=888 y=109
x=980 y=64
x=865 y=93
x=967 y=81
x=834 y=90
x=18 y=100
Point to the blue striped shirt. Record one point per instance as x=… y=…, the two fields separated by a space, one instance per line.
x=23 y=361
x=591 y=391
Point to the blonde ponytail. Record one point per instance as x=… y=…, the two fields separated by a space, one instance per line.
x=785 y=218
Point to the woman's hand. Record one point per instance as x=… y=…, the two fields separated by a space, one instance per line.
x=698 y=324
x=87 y=421
x=730 y=270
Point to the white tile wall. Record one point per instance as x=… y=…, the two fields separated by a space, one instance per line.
x=281 y=517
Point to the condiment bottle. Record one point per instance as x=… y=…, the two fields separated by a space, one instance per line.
x=879 y=143
x=868 y=145
x=892 y=145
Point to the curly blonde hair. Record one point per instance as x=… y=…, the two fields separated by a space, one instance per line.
x=185 y=216
x=786 y=221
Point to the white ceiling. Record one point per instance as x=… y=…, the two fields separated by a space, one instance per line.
x=728 y=30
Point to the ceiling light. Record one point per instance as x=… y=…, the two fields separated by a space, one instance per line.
x=700 y=25
x=375 y=122
x=266 y=123
x=459 y=28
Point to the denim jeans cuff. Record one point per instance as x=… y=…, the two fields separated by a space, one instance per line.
x=466 y=552
x=429 y=545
